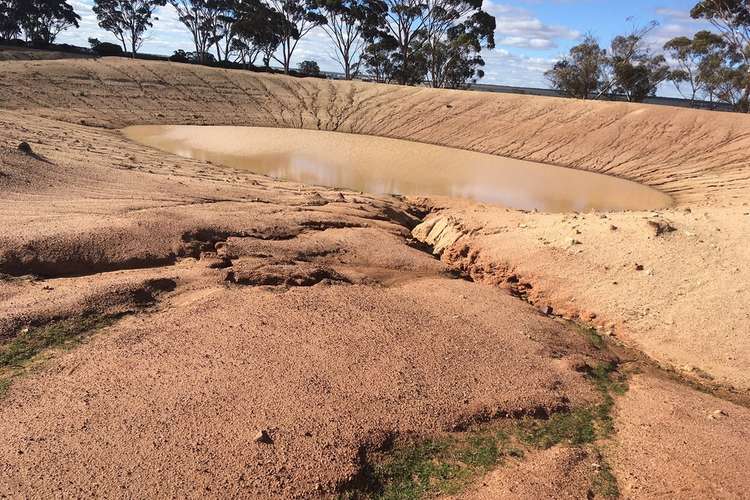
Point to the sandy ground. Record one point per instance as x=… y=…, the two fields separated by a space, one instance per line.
x=560 y=472
x=677 y=296
x=658 y=418
x=309 y=313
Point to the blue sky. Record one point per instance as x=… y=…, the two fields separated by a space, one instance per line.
x=530 y=34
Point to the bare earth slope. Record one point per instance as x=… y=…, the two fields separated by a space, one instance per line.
x=686 y=153
x=228 y=303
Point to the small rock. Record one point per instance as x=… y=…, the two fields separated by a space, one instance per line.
x=25 y=148
x=573 y=241
x=612 y=227
x=547 y=310
x=263 y=437
x=639 y=267
x=661 y=226
x=315 y=199
x=218 y=263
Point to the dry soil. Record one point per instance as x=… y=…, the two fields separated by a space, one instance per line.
x=316 y=315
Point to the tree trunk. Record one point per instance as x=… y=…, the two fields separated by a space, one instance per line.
x=404 y=54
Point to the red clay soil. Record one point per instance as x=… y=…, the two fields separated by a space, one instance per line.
x=248 y=304
x=254 y=305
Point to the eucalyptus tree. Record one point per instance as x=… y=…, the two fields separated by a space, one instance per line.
x=631 y=68
x=694 y=64
x=453 y=48
x=350 y=24
x=200 y=18
x=580 y=74
x=378 y=62
x=299 y=17
x=222 y=36
x=9 y=22
x=405 y=25
x=455 y=62
x=731 y=18
x=245 y=53
x=309 y=68
x=127 y=20
x=636 y=71
x=42 y=20
x=419 y=28
x=257 y=30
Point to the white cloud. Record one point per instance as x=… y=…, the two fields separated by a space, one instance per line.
x=517 y=27
x=506 y=68
x=674 y=23
x=167 y=35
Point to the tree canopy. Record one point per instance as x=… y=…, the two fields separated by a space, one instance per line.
x=127 y=20
x=729 y=60
x=42 y=20
x=580 y=74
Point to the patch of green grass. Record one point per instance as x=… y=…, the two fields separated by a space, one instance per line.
x=575 y=428
x=415 y=470
x=26 y=345
x=447 y=465
x=604 y=483
x=582 y=425
x=5 y=386
x=604 y=378
x=439 y=466
x=593 y=337
x=20 y=351
x=482 y=451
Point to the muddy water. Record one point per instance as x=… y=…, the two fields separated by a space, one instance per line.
x=381 y=165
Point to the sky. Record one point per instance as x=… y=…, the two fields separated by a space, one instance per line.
x=530 y=36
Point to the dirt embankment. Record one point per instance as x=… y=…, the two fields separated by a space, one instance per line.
x=253 y=304
x=691 y=155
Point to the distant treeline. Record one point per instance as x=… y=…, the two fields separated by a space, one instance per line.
x=437 y=43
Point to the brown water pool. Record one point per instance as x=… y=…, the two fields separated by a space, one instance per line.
x=381 y=165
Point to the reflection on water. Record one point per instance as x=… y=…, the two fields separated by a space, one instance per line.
x=381 y=165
